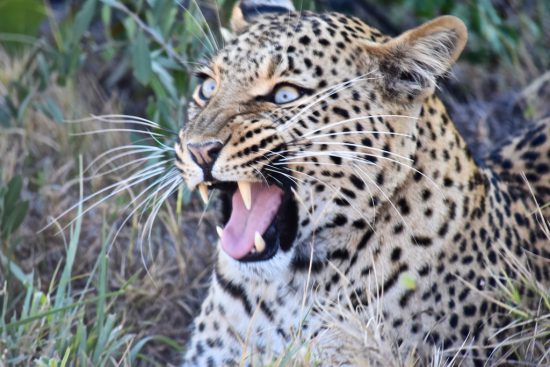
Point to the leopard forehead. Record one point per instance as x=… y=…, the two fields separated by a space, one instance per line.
x=300 y=42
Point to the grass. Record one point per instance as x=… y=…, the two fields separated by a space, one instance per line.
x=98 y=300
x=72 y=299
x=50 y=327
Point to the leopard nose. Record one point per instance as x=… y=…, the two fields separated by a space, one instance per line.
x=205 y=154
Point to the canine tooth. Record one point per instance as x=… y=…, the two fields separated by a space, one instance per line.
x=246 y=193
x=219 y=230
x=203 y=191
x=259 y=242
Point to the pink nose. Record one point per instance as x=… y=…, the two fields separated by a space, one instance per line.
x=205 y=153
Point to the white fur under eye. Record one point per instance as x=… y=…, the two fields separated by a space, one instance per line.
x=208 y=87
x=286 y=94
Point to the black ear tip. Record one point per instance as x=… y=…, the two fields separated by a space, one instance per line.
x=253 y=8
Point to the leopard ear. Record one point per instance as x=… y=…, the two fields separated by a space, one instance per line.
x=411 y=63
x=245 y=11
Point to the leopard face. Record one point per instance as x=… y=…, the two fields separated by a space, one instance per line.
x=314 y=117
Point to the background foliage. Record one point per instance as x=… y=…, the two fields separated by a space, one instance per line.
x=135 y=57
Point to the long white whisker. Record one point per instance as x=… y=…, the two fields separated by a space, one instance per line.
x=323 y=96
x=318 y=97
x=351 y=156
x=341 y=154
x=151 y=219
x=364 y=174
x=156 y=184
x=362 y=147
x=207 y=25
x=290 y=177
x=366 y=117
x=97 y=173
x=136 y=178
x=219 y=21
x=150 y=153
x=153 y=135
x=123 y=186
x=101 y=131
x=137 y=149
x=336 y=192
x=210 y=47
x=357 y=132
x=116 y=119
x=259 y=172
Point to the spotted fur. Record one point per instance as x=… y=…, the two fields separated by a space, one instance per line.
x=385 y=187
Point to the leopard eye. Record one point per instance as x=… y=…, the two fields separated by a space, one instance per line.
x=286 y=94
x=207 y=89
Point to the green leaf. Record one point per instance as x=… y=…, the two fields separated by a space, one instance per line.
x=83 y=19
x=52 y=109
x=23 y=107
x=21 y=17
x=5 y=115
x=15 y=218
x=141 y=59
x=12 y=195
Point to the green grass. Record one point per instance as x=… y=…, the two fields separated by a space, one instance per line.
x=56 y=328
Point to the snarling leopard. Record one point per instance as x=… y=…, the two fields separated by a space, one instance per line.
x=344 y=183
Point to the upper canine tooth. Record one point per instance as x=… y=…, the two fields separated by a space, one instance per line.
x=246 y=194
x=203 y=191
x=259 y=242
x=220 y=231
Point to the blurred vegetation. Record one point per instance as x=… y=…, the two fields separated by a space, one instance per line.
x=496 y=28
x=499 y=30
x=142 y=52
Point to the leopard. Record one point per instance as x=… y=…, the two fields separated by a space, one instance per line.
x=342 y=180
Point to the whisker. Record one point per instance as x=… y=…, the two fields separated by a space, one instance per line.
x=115 y=119
x=101 y=131
x=365 y=117
x=158 y=185
x=152 y=217
x=384 y=195
x=155 y=35
x=357 y=146
x=136 y=149
x=153 y=135
x=207 y=25
x=155 y=184
x=134 y=161
x=336 y=192
x=364 y=161
x=323 y=96
x=130 y=181
x=341 y=154
x=210 y=47
x=123 y=186
x=357 y=132
x=290 y=177
x=319 y=96
x=259 y=172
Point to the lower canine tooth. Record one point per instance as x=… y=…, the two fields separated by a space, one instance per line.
x=246 y=193
x=259 y=242
x=203 y=191
x=220 y=231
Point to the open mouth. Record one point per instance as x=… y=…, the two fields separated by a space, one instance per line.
x=259 y=220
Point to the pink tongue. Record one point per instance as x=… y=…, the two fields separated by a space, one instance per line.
x=238 y=234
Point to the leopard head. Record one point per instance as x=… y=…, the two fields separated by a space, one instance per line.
x=306 y=123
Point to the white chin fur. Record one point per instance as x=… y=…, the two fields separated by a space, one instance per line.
x=268 y=269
